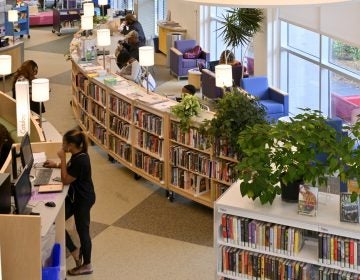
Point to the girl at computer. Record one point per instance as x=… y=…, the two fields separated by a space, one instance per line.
x=81 y=196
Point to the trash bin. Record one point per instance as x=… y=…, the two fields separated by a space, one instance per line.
x=156 y=44
x=170 y=39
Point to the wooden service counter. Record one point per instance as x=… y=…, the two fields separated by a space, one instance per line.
x=16 y=50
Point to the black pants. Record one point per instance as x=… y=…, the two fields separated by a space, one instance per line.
x=81 y=212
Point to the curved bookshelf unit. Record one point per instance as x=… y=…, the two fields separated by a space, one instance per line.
x=254 y=241
x=137 y=130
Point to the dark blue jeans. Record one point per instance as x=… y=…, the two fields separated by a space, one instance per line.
x=81 y=212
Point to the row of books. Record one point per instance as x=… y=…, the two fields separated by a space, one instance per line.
x=223 y=171
x=261 y=235
x=148 y=121
x=100 y=133
x=251 y=265
x=84 y=118
x=149 y=142
x=334 y=274
x=219 y=189
x=222 y=148
x=339 y=251
x=150 y=165
x=189 y=181
x=97 y=93
x=120 y=148
x=80 y=81
x=120 y=127
x=191 y=138
x=82 y=100
x=190 y=160
x=120 y=107
x=99 y=113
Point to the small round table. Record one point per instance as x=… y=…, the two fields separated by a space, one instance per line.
x=194 y=77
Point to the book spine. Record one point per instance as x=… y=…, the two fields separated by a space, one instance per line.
x=351 y=253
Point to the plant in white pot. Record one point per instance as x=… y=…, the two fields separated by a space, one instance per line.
x=306 y=149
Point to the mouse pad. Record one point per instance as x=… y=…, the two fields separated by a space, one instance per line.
x=51 y=188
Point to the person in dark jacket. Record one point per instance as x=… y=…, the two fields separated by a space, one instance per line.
x=5 y=144
x=131 y=23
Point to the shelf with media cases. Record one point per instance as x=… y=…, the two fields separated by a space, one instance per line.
x=275 y=242
x=139 y=131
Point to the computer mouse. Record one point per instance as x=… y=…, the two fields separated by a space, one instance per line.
x=50 y=204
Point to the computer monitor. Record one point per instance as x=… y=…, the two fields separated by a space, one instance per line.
x=22 y=191
x=26 y=154
x=5 y=193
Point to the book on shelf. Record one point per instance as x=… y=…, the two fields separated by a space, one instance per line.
x=349 y=211
x=308 y=200
x=353 y=186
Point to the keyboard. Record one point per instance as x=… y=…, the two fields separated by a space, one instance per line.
x=43 y=176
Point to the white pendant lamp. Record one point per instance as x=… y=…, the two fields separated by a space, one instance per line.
x=40 y=93
x=103 y=40
x=89 y=9
x=223 y=75
x=5 y=67
x=146 y=59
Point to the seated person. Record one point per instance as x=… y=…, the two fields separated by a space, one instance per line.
x=129 y=67
x=131 y=44
x=187 y=89
x=27 y=71
x=5 y=144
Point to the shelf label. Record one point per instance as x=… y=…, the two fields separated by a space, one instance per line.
x=323 y=229
x=223 y=210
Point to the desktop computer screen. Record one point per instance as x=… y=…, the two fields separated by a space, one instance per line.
x=26 y=154
x=22 y=191
x=5 y=193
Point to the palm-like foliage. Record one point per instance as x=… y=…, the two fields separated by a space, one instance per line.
x=239 y=25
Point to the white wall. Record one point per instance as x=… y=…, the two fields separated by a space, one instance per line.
x=187 y=14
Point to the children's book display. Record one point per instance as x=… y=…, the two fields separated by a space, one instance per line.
x=349 y=211
x=308 y=200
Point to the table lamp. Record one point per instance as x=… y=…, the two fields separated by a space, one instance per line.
x=89 y=9
x=146 y=59
x=5 y=67
x=40 y=93
x=103 y=40
x=223 y=75
x=87 y=23
x=13 y=17
x=102 y=3
x=22 y=107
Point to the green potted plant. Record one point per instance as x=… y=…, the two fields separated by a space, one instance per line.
x=304 y=149
x=239 y=25
x=185 y=110
x=234 y=112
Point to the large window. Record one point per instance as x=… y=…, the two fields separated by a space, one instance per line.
x=319 y=73
x=217 y=44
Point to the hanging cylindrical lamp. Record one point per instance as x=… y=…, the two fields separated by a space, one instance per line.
x=223 y=75
x=89 y=9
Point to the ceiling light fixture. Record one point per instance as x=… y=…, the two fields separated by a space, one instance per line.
x=265 y=3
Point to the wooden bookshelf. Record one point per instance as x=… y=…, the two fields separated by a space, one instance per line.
x=138 y=130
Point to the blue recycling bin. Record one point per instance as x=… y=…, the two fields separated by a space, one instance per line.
x=52 y=272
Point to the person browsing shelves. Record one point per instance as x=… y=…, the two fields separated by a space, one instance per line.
x=81 y=196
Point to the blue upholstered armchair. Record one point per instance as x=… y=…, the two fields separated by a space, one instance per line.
x=179 y=65
x=275 y=101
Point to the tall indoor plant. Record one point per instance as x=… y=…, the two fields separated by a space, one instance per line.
x=239 y=25
x=234 y=112
x=306 y=148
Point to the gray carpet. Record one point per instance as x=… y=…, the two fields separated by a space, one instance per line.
x=182 y=219
x=62 y=79
x=56 y=46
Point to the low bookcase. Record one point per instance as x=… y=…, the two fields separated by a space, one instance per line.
x=254 y=241
x=139 y=131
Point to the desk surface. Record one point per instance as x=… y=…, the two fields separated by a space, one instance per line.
x=47 y=214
